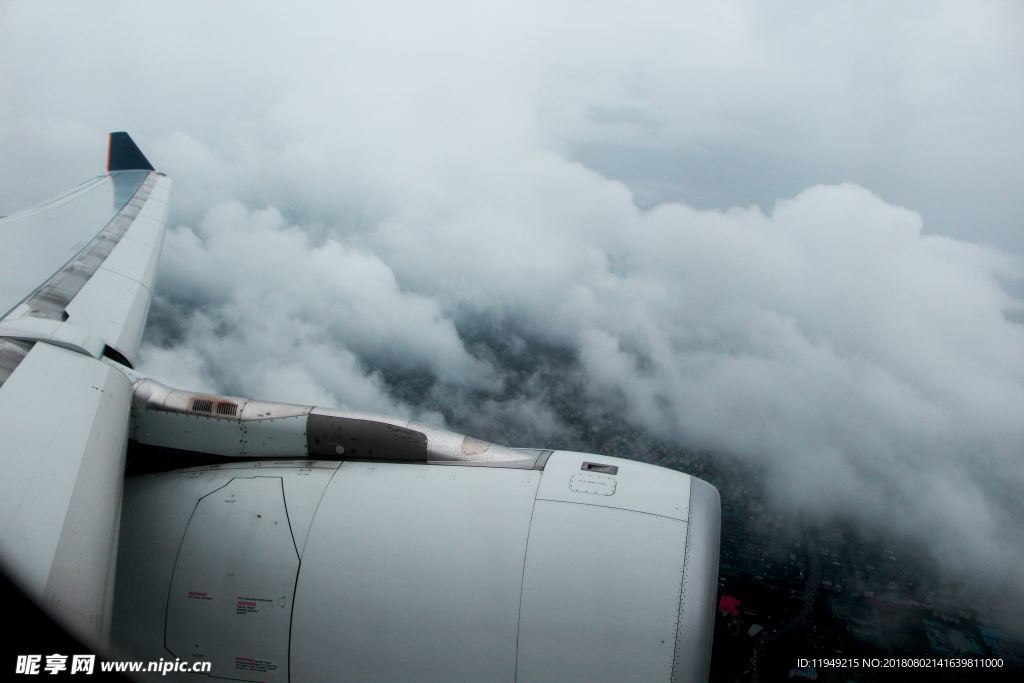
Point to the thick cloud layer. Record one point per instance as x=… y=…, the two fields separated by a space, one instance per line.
x=869 y=368
x=518 y=220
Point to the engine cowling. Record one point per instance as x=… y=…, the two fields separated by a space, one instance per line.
x=587 y=568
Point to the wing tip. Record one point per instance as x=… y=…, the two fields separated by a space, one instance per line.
x=124 y=155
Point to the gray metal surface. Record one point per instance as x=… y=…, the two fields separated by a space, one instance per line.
x=230 y=599
x=52 y=298
x=697 y=600
x=413 y=573
x=114 y=301
x=60 y=334
x=419 y=572
x=60 y=493
x=12 y=352
x=157 y=510
x=636 y=485
x=600 y=595
x=38 y=242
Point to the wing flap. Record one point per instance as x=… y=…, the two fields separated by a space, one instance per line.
x=64 y=427
x=114 y=302
x=115 y=308
x=134 y=260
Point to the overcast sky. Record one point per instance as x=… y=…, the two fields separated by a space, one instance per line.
x=787 y=232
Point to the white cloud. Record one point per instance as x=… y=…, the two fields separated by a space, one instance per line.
x=267 y=296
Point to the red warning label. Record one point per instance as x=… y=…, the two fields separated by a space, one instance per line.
x=253 y=664
x=250 y=605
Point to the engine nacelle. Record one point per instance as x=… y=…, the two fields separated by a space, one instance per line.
x=586 y=568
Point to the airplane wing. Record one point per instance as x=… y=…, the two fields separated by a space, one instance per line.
x=76 y=276
x=310 y=544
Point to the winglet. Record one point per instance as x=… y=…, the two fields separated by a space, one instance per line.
x=124 y=155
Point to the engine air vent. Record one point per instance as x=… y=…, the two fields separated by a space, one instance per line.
x=202 y=405
x=227 y=408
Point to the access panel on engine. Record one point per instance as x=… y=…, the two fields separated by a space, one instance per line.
x=231 y=594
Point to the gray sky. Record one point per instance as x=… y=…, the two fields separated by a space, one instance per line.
x=788 y=233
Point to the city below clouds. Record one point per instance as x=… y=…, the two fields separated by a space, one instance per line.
x=788 y=237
